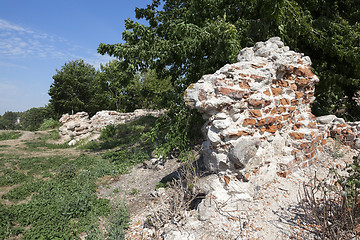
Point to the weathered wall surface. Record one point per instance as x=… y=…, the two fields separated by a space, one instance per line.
x=258 y=110
x=79 y=126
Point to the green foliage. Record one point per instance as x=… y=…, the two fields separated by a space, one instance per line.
x=134 y=191
x=23 y=191
x=41 y=142
x=31 y=119
x=124 y=159
x=49 y=123
x=128 y=89
x=186 y=39
x=8 y=121
x=123 y=135
x=75 y=88
x=119 y=221
x=9 y=135
x=60 y=207
x=11 y=177
x=351 y=183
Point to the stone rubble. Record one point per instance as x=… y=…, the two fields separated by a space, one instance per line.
x=77 y=127
x=262 y=144
x=258 y=109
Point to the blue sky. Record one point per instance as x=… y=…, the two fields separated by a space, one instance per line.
x=39 y=36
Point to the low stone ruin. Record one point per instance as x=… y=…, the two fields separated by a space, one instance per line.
x=78 y=126
x=258 y=109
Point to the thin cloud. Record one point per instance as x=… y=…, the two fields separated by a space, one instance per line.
x=5 y=25
x=17 y=41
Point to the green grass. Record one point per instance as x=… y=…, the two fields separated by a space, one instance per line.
x=60 y=207
x=9 y=135
x=54 y=197
x=40 y=143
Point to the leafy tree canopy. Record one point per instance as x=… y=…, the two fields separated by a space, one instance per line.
x=74 y=88
x=185 y=39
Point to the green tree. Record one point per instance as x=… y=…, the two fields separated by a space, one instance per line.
x=118 y=78
x=76 y=87
x=32 y=119
x=154 y=91
x=127 y=90
x=185 y=39
x=9 y=121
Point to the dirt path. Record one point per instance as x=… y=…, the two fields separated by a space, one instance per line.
x=18 y=146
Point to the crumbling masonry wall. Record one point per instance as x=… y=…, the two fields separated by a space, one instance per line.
x=258 y=110
x=79 y=126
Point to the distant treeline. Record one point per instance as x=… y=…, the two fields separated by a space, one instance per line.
x=32 y=119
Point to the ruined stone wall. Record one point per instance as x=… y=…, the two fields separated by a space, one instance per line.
x=258 y=110
x=78 y=126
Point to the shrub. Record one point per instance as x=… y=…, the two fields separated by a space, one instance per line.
x=49 y=123
x=333 y=210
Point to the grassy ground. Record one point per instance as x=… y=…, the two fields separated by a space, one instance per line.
x=48 y=191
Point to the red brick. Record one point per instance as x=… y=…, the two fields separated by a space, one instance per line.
x=255 y=113
x=302 y=82
x=256 y=77
x=243 y=75
x=296 y=136
x=276 y=91
x=267 y=93
x=279 y=118
x=267 y=103
x=283 y=83
x=265 y=121
x=282 y=109
x=297 y=126
x=240 y=133
x=286 y=117
x=267 y=110
x=294 y=102
x=284 y=101
x=304 y=72
x=256 y=103
x=312 y=125
x=249 y=122
x=271 y=129
x=244 y=85
x=291 y=109
x=233 y=93
x=293 y=86
x=299 y=94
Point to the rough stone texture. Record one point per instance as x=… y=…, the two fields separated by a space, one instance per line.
x=258 y=109
x=78 y=126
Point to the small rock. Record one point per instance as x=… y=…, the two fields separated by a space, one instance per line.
x=326 y=119
x=72 y=142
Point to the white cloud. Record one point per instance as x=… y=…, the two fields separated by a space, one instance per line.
x=19 y=42
x=5 y=25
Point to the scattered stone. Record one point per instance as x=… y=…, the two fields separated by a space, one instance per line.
x=80 y=127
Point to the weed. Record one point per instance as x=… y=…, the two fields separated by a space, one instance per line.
x=40 y=143
x=334 y=209
x=11 y=177
x=9 y=135
x=134 y=191
x=119 y=221
x=126 y=158
x=49 y=124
